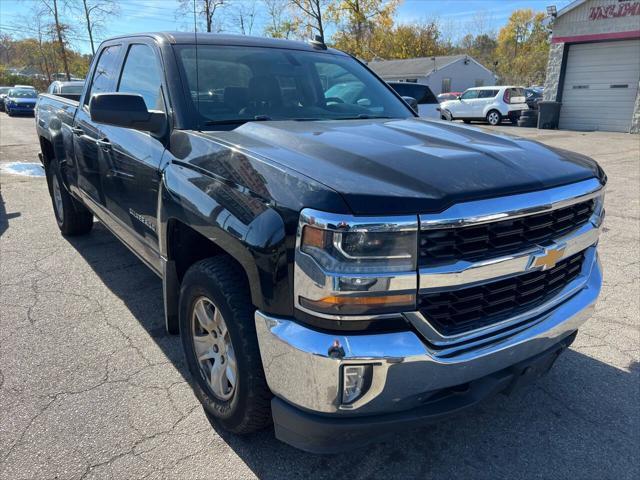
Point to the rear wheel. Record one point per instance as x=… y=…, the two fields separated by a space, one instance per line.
x=72 y=217
x=466 y=121
x=221 y=348
x=494 y=118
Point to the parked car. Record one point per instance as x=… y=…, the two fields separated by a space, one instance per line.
x=20 y=101
x=533 y=95
x=428 y=105
x=443 y=97
x=492 y=104
x=341 y=269
x=70 y=90
x=3 y=93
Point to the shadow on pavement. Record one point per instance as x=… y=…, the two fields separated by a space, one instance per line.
x=4 y=216
x=579 y=421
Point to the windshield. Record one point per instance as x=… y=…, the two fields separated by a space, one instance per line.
x=238 y=84
x=22 y=93
x=72 y=88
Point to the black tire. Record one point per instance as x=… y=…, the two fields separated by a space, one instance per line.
x=10 y=113
x=528 y=114
x=494 y=117
x=466 y=121
x=75 y=218
x=224 y=283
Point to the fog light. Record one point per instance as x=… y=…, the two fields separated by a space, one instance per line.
x=355 y=382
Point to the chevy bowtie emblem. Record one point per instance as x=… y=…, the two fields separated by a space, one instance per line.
x=548 y=259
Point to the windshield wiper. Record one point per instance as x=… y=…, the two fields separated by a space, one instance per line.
x=238 y=121
x=362 y=116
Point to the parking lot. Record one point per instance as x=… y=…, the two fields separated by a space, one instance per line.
x=92 y=387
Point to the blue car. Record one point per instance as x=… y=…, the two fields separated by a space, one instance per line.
x=20 y=101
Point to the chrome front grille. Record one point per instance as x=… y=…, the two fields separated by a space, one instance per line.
x=459 y=311
x=490 y=268
x=490 y=240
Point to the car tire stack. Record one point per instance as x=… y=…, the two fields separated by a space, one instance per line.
x=528 y=119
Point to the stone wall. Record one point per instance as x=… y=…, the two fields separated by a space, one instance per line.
x=552 y=82
x=635 y=120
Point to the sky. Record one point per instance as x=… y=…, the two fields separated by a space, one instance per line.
x=456 y=17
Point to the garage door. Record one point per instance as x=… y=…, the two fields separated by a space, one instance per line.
x=600 y=86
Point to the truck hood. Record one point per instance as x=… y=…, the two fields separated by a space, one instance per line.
x=409 y=166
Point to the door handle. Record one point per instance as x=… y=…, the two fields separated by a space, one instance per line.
x=77 y=131
x=104 y=144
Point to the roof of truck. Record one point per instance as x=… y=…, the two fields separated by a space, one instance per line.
x=189 y=38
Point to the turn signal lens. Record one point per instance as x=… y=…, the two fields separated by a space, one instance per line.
x=352 y=305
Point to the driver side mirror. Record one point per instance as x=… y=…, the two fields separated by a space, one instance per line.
x=459 y=97
x=126 y=110
x=412 y=102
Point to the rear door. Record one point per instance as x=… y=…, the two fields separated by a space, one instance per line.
x=485 y=98
x=90 y=166
x=134 y=157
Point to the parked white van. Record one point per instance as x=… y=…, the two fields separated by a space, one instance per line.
x=492 y=104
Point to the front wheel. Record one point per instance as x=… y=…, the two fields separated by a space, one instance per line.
x=9 y=112
x=221 y=348
x=494 y=118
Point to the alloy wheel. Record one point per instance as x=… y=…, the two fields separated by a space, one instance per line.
x=213 y=348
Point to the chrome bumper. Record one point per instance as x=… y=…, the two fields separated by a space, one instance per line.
x=407 y=370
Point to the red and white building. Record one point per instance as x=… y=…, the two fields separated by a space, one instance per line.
x=594 y=65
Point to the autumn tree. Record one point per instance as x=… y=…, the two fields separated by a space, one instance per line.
x=362 y=24
x=523 y=48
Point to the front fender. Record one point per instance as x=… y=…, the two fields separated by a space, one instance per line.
x=246 y=227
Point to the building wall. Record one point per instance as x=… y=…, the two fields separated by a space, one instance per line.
x=462 y=77
x=598 y=17
x=554 y=69
x=594 y=20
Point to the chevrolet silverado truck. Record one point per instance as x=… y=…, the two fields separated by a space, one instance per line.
x=335 y=266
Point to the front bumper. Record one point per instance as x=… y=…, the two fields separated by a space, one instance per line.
x=303 y=370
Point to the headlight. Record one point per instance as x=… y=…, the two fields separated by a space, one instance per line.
x=348 y=265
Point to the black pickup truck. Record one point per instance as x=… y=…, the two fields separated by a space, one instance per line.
x=336 y=266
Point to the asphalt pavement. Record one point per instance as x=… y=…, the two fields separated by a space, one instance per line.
x=92 y=387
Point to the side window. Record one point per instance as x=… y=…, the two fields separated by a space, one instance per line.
x=487 y=93
x=470 y=95
x=446 y=85
x=105 y=73
x=142 y=74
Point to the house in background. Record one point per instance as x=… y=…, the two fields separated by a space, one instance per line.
x=454 y=73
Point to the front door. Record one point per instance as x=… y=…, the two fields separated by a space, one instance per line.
x=465 y=107
x=133 y=157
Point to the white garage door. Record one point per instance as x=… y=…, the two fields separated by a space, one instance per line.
x=600 y=86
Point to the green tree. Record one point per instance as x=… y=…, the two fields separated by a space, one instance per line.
x=523 y=48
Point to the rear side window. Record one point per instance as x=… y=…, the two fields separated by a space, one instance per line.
x=515 y=95
x=105 y=74
x=487 y=93
x=421 y=93
x=142 y=74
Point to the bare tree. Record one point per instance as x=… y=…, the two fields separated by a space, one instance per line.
x=244 y=14
x=280 y=22
x=203 y=8
x=311 y=12
x=96 y=13
x=54 y=8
